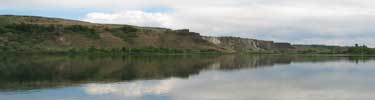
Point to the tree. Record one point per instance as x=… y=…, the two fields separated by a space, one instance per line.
x=128 y=29
x=83 y=30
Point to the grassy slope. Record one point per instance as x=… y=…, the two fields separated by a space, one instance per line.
x=320 y=49
x=28 y=33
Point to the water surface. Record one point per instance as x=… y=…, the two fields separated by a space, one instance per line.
x=228 y=77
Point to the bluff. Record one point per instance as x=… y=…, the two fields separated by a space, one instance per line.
x=237 y=44
x=39 y=34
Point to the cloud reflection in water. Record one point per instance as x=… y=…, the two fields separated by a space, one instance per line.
x=336 y=80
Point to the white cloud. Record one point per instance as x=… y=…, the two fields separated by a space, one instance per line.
x=331 y=80
x=134 y=89
x=133 y=18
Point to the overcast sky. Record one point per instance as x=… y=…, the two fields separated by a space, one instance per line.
x=333 y=22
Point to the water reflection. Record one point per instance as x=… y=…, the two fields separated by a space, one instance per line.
x=256 y=77
x=37 y=72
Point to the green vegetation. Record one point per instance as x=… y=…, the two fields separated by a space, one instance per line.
x=362 y=50
x=34 y=37
x=139 y=51
x=126 y=33
x=44 y=31
x=20 y=37
x=321 y=49
x=83 y=30
x=29 y=38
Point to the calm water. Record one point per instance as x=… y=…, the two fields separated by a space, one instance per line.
x=228 y=77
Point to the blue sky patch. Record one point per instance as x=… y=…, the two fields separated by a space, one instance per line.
x=158 y=9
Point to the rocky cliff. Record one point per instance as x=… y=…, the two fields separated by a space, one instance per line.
x=236 y=44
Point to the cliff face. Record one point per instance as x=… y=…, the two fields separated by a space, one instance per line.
x=236 y=44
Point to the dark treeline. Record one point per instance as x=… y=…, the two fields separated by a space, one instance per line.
x=45 y=30
x=130 y=51
x=93 y=51
x=363 y=50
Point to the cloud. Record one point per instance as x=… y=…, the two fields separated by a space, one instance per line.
x=297 y=21
x=329 y=80
x=139 y=18
x=134 y=89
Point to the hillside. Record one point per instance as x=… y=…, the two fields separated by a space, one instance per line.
x=25 y=33
x=250 y=45
x=41 y=34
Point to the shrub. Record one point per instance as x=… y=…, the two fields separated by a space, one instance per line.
x=2 y=30
x=128 y=29
x=25 y=28
x=360 y=50
x=83 y=30
x=126 y=33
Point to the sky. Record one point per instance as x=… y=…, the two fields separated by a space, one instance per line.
x=331 y=22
